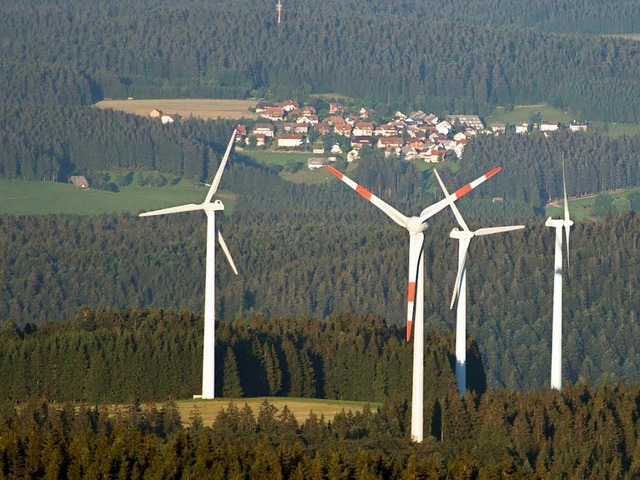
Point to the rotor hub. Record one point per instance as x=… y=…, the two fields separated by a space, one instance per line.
x=415 y=225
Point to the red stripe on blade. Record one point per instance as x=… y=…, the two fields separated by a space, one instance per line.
x=364 y=192
x=335 y=172
x=493 y=172
x=409 y=331
x=411 y=295
x=463 y=191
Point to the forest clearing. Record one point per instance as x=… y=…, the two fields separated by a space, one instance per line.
x=208 y=109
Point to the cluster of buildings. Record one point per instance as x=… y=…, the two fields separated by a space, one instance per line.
x=416 y=136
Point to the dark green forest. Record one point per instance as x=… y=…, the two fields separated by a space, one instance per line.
x=57 y=58
x=584 y=431
x=327 y=261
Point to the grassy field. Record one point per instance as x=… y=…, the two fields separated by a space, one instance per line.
x=523 y=113
x=201 y=108
x=300 y=407
x=25 y=197
x=581 y=208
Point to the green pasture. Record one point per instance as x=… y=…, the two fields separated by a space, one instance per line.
x=30 y=196
x=581 y=208
x=524 y=113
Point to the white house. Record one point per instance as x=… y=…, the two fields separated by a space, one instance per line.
x=290 y=140
x=444 y=127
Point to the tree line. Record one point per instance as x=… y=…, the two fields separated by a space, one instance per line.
x=584 y=432
x=328 y=260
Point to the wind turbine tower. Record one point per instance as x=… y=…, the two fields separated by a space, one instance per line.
x=416 y=227
x=210 y=208
x=556 y=341
x=464 y=237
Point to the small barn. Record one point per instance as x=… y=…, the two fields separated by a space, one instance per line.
x=79 y=181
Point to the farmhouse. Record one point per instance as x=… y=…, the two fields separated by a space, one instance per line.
x=265 y=129
x=578 y=126
x=290 y=140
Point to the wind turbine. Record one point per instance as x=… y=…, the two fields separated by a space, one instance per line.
x=556 y=341
x=415 y=296
x=210 y=208
x=464 y=237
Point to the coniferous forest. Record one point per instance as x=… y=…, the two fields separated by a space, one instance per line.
x=102 y=310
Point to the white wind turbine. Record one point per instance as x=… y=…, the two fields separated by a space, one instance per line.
x=464 y=237
x=210 y=208
x=556 y=341
x=415 y=296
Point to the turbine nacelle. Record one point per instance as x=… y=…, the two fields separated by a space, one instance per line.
x=415 y=225
x=461 y=234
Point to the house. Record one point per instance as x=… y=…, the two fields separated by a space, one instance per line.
x=167 y=118
x=260 y=139
x=308 y=110
x=522 y=127
x=497 y=127
x=466 y=121
x=408 y=153
x=336 y=148
x=351 y=120
x=289 y=105
x=275 y=114
x=290 y=140
x=444 y=127
x=358 y=142
x=266 y=129
x=578 y=126
x=323 y=128
x=293 y=127
x=335 y=107
x=314 y=163
x=433 y=155
x=343 y=129
x=308 y=118
x=262 y=105
x=79 y=181
x=415 y=142
x=241 y=131
x=352 y=155
x=390 y=142
x=362 y=129
x=366 y=112
x=546 y=126
x=385 y=130
x=334 y=119
x=155 y=113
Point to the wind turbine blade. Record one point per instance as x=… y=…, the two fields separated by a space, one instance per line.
x=416 y=243
x=181 y=208
x=225 y=249
x=436 y=207
x=462 y=261
x=454 y=208
x=492 y=230
x=567 y=220
x=391 y=212
x=218 y=177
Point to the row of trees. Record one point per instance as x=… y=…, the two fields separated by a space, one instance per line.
x=351 y=260
x=584 y=432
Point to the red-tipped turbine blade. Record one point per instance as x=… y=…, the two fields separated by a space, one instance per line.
x=436 y=207
x=391 y=212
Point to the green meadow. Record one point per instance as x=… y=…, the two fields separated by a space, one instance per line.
x=27 y=197
x=524 y=113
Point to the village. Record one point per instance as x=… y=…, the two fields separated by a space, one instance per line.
x=417 y=136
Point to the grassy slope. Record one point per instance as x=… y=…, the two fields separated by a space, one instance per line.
x=24 y=197
x=300 y=407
